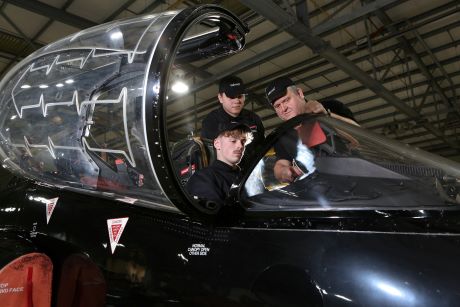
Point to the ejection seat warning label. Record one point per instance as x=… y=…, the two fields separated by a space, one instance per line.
x=198 y=250
x=116 y=227
x=5 y=288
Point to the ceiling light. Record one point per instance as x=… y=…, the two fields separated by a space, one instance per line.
x=25 y=86
x=179 y=87
x=69 y=81
x=43 y=86
x=59 y=85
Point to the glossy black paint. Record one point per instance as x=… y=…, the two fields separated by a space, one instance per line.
x=239 y=257
x=358 y=258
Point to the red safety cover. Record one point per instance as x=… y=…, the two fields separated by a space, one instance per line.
x=26 y=281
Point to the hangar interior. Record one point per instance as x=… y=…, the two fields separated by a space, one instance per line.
x=394 y=63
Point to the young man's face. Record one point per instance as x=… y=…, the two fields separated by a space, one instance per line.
x=232 y=106
x=290 y=105
x=230 y=147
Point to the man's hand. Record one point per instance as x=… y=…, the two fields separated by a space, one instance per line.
x=285 y=171
x=313 y=106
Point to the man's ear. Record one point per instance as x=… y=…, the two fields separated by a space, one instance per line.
x=300 y=92
x=220 y=97
x=217 y=143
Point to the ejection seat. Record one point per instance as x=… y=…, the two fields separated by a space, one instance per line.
x=190 y=155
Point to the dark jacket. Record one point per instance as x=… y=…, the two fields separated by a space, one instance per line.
x=212 y=182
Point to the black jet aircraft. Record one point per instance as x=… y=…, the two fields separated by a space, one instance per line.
x=97 y=214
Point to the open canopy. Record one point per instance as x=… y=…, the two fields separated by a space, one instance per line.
x=88 y=111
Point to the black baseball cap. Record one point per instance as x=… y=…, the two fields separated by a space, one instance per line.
x=232 y=86
x=230 y=126
x=277 y=88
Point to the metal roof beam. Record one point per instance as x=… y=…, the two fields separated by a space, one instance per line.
x=407 y=47
x=270 y=34
x=360 y=88
x=23 y=35
x=396 y=91
x=53 y=13
x=345 y=19
x=274 y=13
x=417 y=134
x=424 y=96
x=369 y=98
x=8 y=56
x=32 y=42
x=363 y=100
x=393 y=114
x=390 y=79
x=281 y=48
x=350 y=48
x=204 y=106
x=419 y=143
x=119 y=10
x=379 y=117
x=436 y=61
x=301 y=8
x=152 y=6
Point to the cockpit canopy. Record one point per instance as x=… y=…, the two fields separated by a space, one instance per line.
x=88 y=111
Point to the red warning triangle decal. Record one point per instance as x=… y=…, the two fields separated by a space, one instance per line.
x=116 y=227
x=50 y=205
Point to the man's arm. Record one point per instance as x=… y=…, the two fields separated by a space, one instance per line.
x=285 y=172
x=344 y=119
x=314 y=106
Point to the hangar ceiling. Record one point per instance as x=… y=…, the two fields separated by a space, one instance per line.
x=395 y=63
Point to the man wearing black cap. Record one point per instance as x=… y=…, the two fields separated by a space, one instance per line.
x=213 y=182
x=231 y=96
x=288 y=102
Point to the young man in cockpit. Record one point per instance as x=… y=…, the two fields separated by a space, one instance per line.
x=288 y=102
x=213 y=182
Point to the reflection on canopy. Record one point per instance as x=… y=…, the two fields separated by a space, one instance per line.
x=86 y=112
x=72 y=112
x=345 y=167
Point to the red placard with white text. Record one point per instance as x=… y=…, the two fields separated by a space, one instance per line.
x=116 y=227
x=50 y=205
